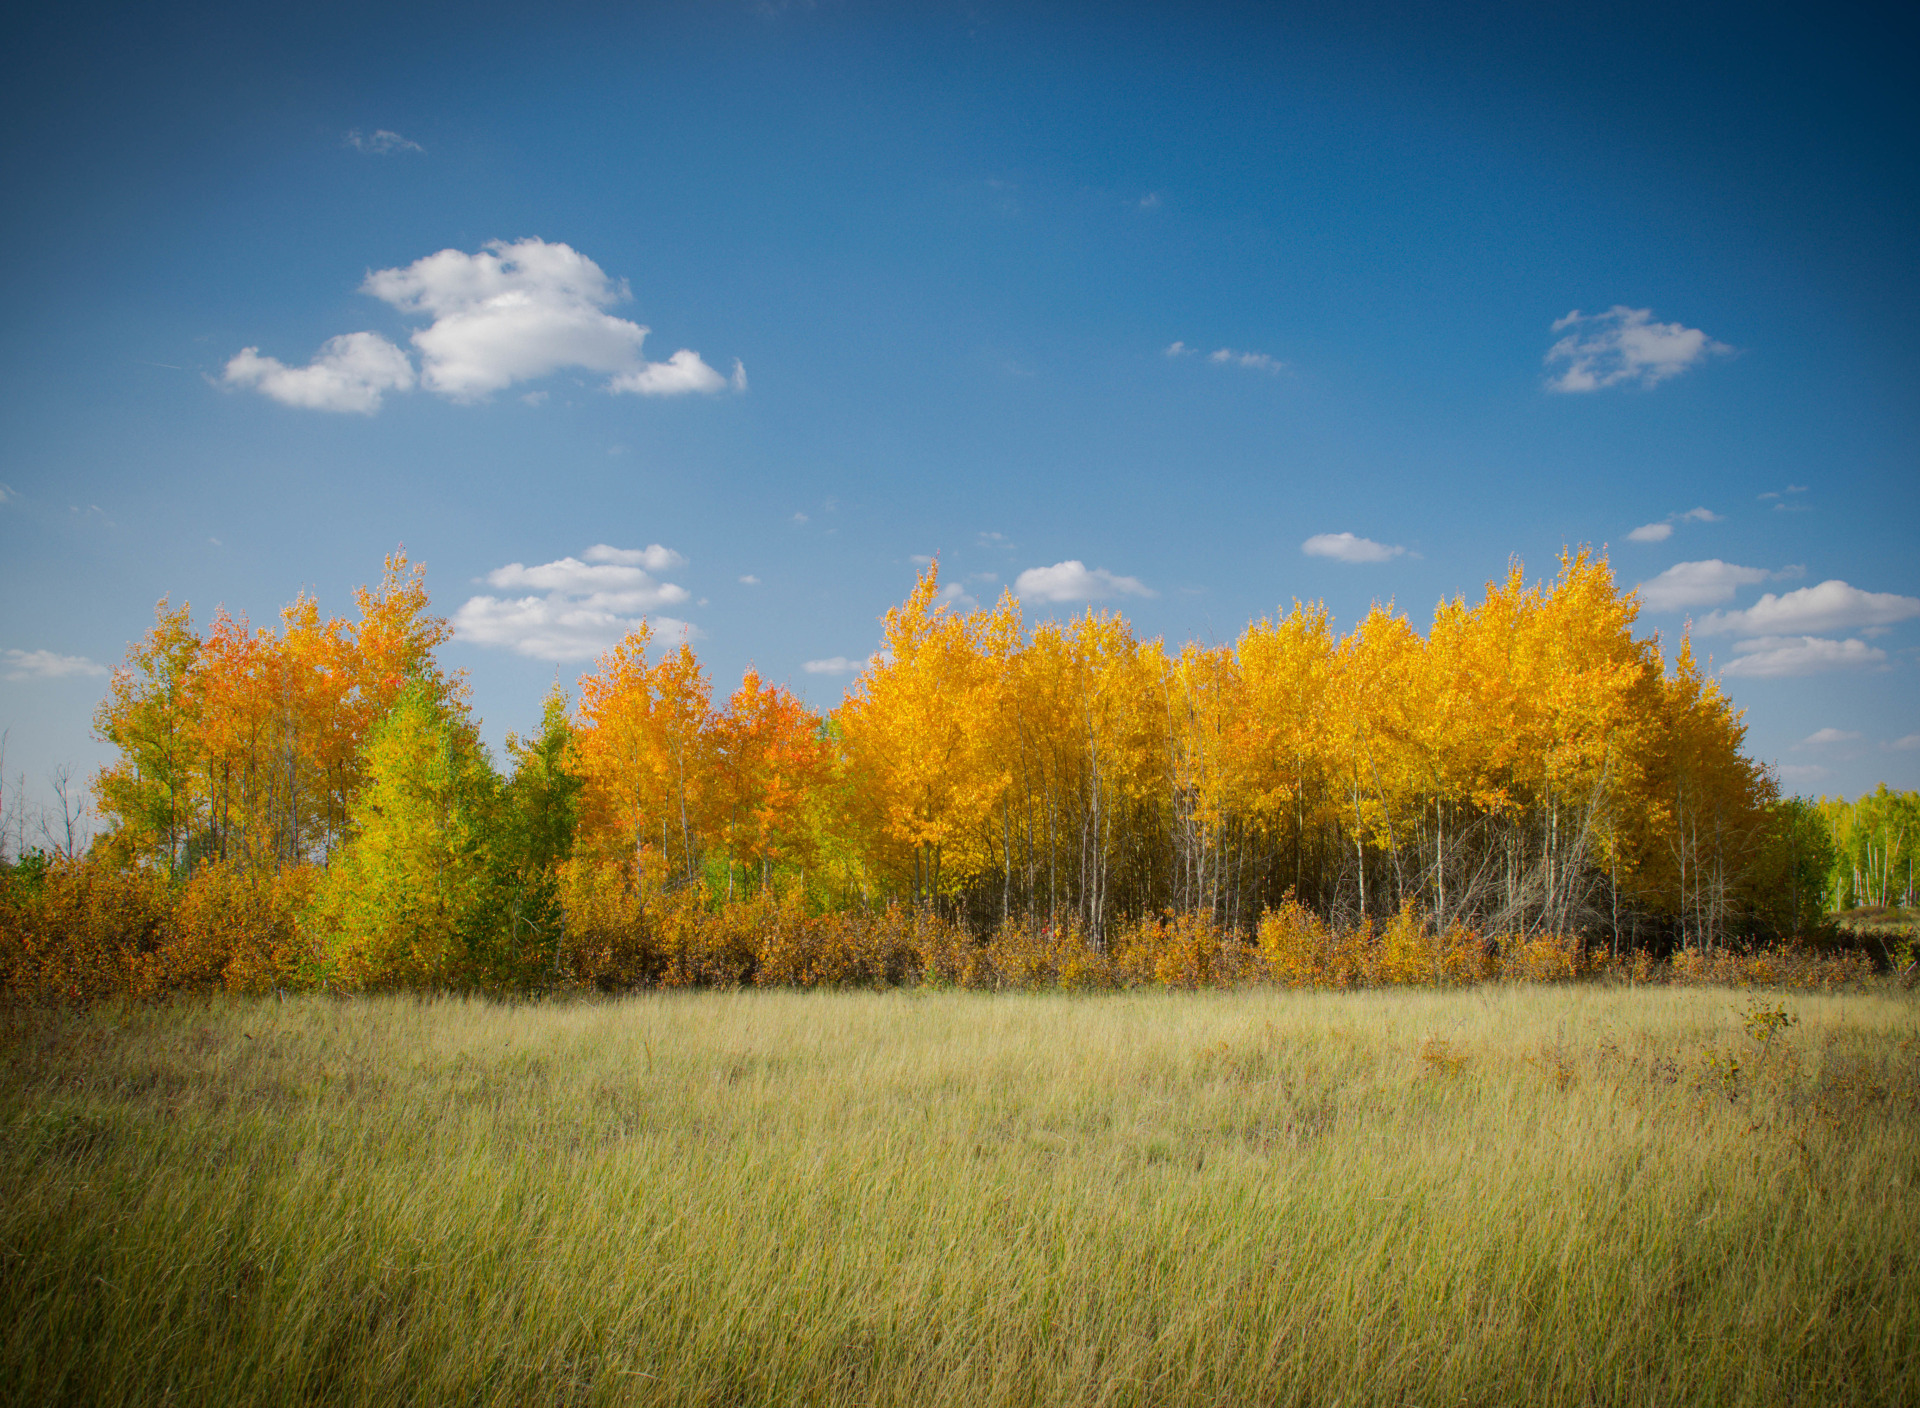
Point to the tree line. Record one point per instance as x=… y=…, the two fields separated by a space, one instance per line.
x=1526 y=767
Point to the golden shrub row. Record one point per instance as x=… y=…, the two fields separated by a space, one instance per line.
x=83 y=931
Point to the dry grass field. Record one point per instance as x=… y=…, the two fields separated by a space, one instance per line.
x=1499 y=1195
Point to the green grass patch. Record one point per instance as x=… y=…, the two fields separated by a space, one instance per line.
x=1498 y=1195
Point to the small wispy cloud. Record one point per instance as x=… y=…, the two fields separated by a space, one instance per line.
x=1822 y=738
x=7 y=494
x=1073 y=581
x=46 y=665
x=749 y=580
x=381 y=142
x=1782 y=499
x=1347 y=547
x=1907 y=744
x=1228 y=357
x=838 y=665
x=1659 y=532
x=1624 y=345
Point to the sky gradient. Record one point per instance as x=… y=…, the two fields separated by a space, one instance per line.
x=731 y=315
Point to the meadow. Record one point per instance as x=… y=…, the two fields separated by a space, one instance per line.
x=1588 y=1193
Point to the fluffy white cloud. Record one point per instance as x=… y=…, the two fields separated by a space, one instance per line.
x=574 y=610
x=1821 y=737
x=1697 y=584
x=1071 y=581
x=1831 y=606
x=679 y=374
x=348 y=373
x=1907 y=744
x=510 y=313
x=380 y=142
x=749 y=580
x=1624 y=344
x=517 y=311
x=45 y=665
x=1772 y=657
x=1345 y=547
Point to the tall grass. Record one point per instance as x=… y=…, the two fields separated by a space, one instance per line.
x=1499 y=1195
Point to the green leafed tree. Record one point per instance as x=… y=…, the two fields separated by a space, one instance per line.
x=540 y=815
x=147 y=794
x=421 y=895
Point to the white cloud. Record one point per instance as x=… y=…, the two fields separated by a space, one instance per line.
x=749 y=580
x=653 y=557
x=348 y=373
x=1227 y=357
x=573 y=610
x=956 y=596
x=1259 y=361
x=679 y=374
x=1831 y=606
x=381 y=142
x=7 y=494
x=1661 y=531
x=513 y=312
x=1802 y=772
x=1345 y=547
x=1773 y=657
x=1822 y=737
x=1697 y=584
x=838 y=665
x=1625 y=344
x=45 y=665
x=1071 y=581
x=1907 y=744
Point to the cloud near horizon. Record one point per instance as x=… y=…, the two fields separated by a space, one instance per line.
x=576 y=609
x=46 y=665
x=511 y=313
x=1071 y=581
x=1345 y=547
x=1625 y=344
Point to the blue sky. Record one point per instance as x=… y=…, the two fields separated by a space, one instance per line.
x=1185 y=310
